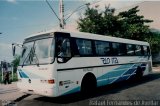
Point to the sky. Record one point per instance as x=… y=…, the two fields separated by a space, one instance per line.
x=21 y=18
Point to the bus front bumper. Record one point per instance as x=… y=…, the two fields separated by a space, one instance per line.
x=44 y=90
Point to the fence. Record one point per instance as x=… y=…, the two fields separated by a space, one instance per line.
x=11 y=73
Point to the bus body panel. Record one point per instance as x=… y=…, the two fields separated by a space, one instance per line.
x=75 y=69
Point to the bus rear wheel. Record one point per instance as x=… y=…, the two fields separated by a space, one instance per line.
x=89 y=85
x=139 y=74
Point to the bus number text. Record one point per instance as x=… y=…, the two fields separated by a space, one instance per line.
x=112 y=60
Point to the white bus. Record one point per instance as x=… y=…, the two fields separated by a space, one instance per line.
x=57 y=63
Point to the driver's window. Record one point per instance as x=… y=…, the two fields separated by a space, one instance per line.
x=63 y=49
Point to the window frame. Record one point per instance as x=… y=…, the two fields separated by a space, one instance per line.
x=76 y=53
x=141 y=51
x=84 y=55
x=63 y=35
x=109 y=45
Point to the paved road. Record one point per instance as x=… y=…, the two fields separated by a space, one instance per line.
x=9 y=92
x=146 y=89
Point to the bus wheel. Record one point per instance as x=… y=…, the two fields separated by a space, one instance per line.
x=89 y=85
x=139 y=73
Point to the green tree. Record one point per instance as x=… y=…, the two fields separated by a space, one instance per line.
x=15 y=62
x=99 y=22
x=154 y=41
x=127 y=24
x=133 y=26
x=110 y=23
x=91 y=22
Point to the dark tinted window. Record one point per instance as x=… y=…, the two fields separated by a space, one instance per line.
x=115 y=47
x=122 y=49
x=130 y=49
x=118 y=49
x=146 y=50
x=102 y=48
x=138 y=50
x=84 y=46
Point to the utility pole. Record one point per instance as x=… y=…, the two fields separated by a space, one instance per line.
x=61 y=13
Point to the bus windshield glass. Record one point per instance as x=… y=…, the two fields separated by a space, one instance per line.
x=38 y=52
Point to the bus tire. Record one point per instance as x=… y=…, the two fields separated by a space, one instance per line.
x=139 y=74
x=88 y=85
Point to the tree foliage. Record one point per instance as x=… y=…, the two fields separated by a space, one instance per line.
x=127 y=24
x=99 y=22
x=133 y=25
x=154 y=41
x=15 y=62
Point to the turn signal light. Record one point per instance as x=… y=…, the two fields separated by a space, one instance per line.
x=51 y=81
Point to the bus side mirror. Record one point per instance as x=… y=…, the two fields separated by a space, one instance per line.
x=24 y=50
x=60 y=59
x=13 y=49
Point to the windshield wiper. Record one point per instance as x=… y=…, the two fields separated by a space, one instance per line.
x=30 y=56
x=34 y=54
x=26 y=57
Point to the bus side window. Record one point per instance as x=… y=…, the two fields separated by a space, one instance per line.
x=114 y=49
x=84 y=47
x=122 y=49
x=130 y=50
x=102 y=48
x=138 y=50
x=63 y=49
x=74 y=48
x=142 y=51
x=145 y=50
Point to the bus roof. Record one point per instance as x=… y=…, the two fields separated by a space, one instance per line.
x=91 y=36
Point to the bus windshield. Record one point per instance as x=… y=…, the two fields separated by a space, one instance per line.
x=38 y=52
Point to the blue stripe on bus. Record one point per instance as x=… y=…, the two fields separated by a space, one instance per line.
x=130 y=71
x=127 y=74
x=122 y=78
x=101 y=83
x=135 y=66
x=108 y=78
x=111 y=74
x=124 y=67
x=119 y=74
x=22 y=74
x=107 y=81
x=27 y=74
